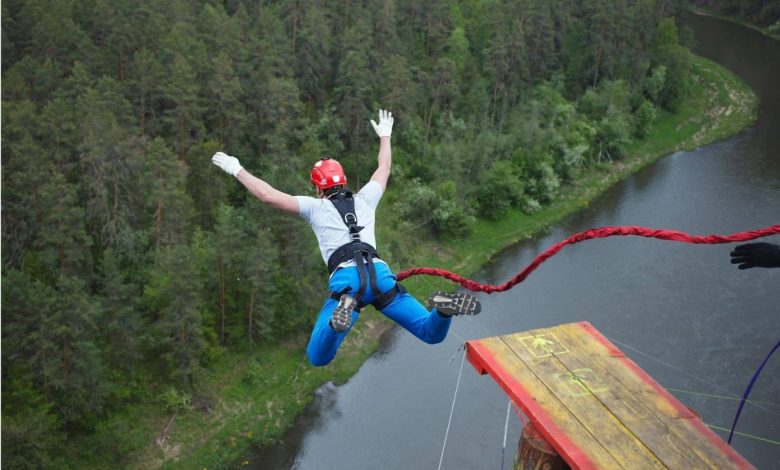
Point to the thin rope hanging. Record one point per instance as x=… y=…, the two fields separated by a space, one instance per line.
x=603 y=232
x=749 y=388
x=452 y=409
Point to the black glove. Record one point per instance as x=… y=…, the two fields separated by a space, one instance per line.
x=750 y=255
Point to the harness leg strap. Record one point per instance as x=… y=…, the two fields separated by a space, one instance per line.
x=361 y=267
x=371 y=272
x=382 y=300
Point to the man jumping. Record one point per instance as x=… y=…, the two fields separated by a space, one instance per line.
x=344 y=225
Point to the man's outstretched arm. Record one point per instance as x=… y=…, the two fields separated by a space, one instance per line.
x=259 y=188
x=385 y=159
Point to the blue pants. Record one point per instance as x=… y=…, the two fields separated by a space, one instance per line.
x=405 y=310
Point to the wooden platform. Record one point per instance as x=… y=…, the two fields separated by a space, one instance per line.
x=594 y=405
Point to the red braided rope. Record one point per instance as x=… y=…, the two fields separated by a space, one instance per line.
x=602 y=232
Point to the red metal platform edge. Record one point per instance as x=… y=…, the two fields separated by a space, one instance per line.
x=483 y=361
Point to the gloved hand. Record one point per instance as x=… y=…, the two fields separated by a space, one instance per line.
x=385 y=126
x=750 y=255
x=228 y=164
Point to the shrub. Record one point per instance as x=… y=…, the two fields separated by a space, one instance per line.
x=501 y=190
x=645 y=117
x=174 y=400
x=542 y=182
x=451 y=216
x=452 y=219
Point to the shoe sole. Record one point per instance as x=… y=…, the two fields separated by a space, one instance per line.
x=341 y=319
x=454 y=304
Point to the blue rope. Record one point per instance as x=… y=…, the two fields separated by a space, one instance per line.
x=750 y=387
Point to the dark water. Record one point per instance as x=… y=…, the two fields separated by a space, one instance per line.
x=695 y=323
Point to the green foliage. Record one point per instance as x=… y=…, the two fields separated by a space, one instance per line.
x=120 y=323
x=174 y=400
x=609 y=107
x=255 y=375
x=451 y=217
x=675 y=59
x=439 y=209
x=655 y=84
x=542 y=182
x=417 y=203
x=32 y=432
x=502 y=189
x=645 y=117
x=118 y=438
x=173 y=295
x=128 y=259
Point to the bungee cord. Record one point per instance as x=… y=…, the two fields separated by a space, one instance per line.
x=603 y=232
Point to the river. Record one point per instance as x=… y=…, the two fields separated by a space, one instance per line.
x=694 y=322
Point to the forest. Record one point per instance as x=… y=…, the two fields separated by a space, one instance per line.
x=129 y=261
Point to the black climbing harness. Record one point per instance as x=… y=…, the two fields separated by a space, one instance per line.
x=361 y=253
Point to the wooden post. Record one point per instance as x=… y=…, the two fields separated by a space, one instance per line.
x=535 y=453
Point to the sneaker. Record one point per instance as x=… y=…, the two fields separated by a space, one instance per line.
x=454 y=304
x=342 y=315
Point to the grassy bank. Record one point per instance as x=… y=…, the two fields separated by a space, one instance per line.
x=254 y=400
x=772 y=32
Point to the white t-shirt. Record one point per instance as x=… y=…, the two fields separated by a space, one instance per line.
x=330 y=229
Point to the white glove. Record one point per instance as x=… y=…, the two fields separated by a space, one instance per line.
x=228 y=164
x=385 y=126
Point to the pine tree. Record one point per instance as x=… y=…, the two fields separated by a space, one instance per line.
x=402 y=93
x=226 y=96
x=145 y=79
x=25 y=165
x=540 y=38
x=50 y=338
x=63 y=240
x=206 y=185
x=184 y=114
x=53 y=33
x=674 y=58
x=32 y=431
x=69 y=357
x=173 y=295
x=313 y=44
x=230 y=245
x=120 y=320
x=354 y=83
x=260 y=267
x=111 y=161
x=271 y=92
x=353 y=89
x=169 y=208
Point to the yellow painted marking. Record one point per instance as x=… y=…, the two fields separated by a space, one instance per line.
x=664 y=429
x=543 y=345
x=603 y=406
x=581 y=382
x=597 y=424
x=560 y=414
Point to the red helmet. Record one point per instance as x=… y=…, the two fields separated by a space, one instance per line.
x=327 y=173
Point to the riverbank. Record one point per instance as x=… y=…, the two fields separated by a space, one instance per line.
x=257 y=399
x=772 y=32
